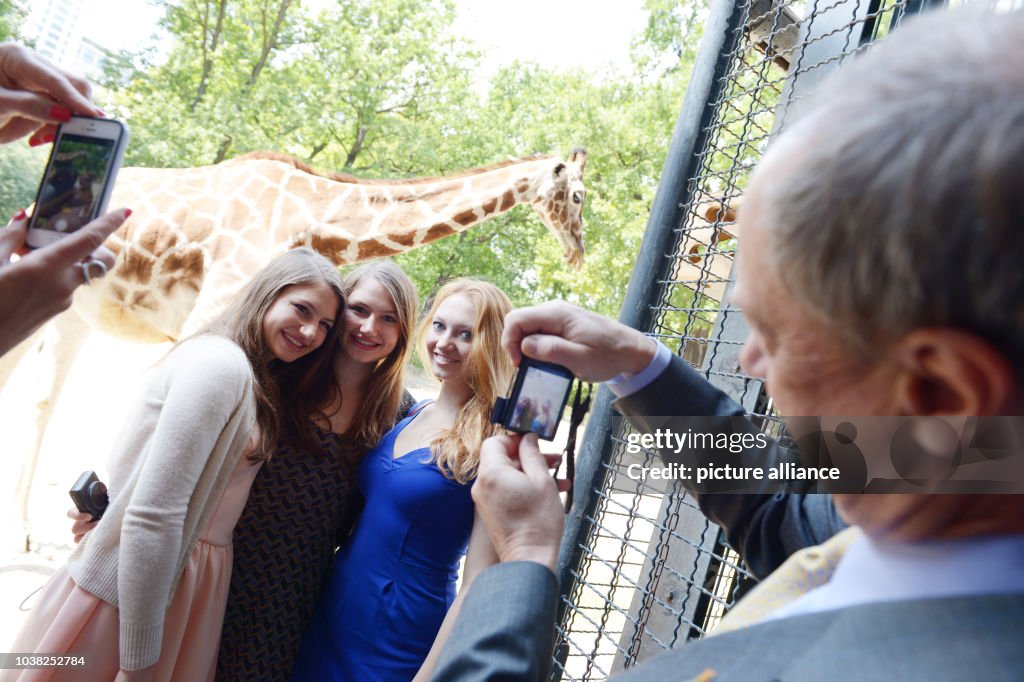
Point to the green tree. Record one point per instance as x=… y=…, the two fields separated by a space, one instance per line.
x=21 y=170
x=11 y=18
x=263 y=74
x=197 y=106
x=668 y=43
x=384 y=89
x=625 y=127
x=378 y=72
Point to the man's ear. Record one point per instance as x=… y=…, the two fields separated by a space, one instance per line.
x=950 y=372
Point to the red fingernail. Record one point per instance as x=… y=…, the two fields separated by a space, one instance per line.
x=127 y=213
x=41 y=140
x=20 y=215
x=62 y=114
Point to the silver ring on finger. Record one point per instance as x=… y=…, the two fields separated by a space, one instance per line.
x=87 y=266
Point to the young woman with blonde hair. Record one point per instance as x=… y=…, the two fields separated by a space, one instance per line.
x=304 y=501
x=394 y=582
x=143 y=595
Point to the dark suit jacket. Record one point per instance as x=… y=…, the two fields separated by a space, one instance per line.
x=764 y=528
x=506 y=628
x=505 y=632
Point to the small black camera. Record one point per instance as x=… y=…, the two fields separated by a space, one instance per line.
x=537 y=399
x=89 y=494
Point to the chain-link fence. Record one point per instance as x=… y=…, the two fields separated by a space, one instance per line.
x=642 y=569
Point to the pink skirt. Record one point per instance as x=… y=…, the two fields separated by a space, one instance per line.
x=67 y=620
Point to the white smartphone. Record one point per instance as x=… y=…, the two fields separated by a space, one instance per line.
x=79 y=177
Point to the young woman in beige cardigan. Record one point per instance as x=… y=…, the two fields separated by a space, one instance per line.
x=142 y=597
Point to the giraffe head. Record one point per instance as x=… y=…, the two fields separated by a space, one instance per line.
x=560 y=204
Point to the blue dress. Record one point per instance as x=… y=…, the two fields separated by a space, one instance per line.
x=394 y=581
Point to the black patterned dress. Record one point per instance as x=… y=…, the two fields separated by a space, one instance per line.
x=299 y=505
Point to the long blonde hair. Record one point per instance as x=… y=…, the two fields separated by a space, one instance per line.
x=378 y=410
x=488 y=369
x=278 y=384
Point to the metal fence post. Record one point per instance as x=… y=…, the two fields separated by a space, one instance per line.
x=690 y=133
x=664 y=585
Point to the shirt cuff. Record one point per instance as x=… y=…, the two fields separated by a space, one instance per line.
x=628 y=384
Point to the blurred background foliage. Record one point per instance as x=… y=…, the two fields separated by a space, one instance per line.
x=386 y=88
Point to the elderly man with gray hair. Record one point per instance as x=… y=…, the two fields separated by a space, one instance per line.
x=881 y=272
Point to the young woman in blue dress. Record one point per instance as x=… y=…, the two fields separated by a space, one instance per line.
x=394 y=580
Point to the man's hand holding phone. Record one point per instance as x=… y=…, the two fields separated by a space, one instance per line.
x=592 y=347
x=517 y=499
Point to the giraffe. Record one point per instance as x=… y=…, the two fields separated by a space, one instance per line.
x=197 y=234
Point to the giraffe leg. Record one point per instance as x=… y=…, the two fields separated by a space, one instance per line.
x=26 y=405
x=9 y=361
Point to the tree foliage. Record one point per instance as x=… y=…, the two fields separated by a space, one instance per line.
x=21 y=170
x=385 y=88
x=668 y=44
x=625 y=127
x=11 y=18
x=271 y=74
x=21 y=167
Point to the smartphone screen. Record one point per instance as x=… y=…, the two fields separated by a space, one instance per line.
x=540 y=401
x=73 y=186
x=79 y=177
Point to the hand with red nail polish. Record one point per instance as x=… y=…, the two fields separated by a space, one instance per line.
x=62 y=114
x=40 y=284
x=36 y=95
x=40 y=138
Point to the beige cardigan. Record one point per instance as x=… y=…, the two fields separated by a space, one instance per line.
x=169 y=466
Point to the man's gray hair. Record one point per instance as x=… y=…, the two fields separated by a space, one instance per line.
x=904 y=204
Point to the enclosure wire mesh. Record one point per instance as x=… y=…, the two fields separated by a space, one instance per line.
x=654 y=572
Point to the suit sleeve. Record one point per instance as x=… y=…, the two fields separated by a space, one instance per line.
x=506 y=629
x=764 y=527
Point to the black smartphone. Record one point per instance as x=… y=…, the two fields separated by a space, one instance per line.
x=79 y=178
x=89 y=495
x=536 y=399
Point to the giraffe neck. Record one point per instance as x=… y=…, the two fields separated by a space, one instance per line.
x=371 y=220
x=199 y=233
